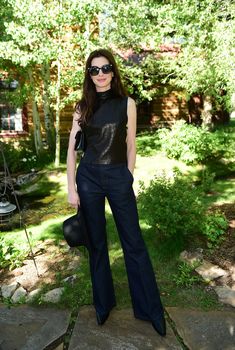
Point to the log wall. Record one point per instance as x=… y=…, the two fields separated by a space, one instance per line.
x=160 y=112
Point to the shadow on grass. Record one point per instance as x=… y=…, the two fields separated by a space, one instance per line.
x=222 y=191
x=40 y=200
x=221 y=169
x=148 y=143
x=54 y=232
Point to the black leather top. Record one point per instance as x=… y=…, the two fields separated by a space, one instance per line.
x=106 y=131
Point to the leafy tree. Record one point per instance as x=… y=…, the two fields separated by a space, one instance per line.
x=50 y=46
x=206 y=61
x=49 y=49
x=202 y=31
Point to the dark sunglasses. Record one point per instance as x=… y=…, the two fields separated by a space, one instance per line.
x=106 y=68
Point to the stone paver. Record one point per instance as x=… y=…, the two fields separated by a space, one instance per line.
x=53 y=296
x=209 y=271
x=18 y=295
x=192 y=258
x=8 y=290
x=201 y=330
x=120 y=332
x=28 y=328
x=226 y=295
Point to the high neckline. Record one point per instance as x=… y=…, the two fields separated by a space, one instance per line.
x=104 y=95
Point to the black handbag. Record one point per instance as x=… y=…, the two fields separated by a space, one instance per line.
x=75 y=231
x=79 y=141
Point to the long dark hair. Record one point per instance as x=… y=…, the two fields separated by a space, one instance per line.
x=88 y=101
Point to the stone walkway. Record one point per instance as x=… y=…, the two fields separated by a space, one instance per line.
x=28 y=328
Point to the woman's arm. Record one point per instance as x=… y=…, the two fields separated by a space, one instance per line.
x=131 y=134
x=73 y=197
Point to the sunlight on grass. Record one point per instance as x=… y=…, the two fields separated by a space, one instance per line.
x=224 y=191
x=144 y=225
x=147 y=167
x=115 y=254
x=48 y=229
x=61 y=178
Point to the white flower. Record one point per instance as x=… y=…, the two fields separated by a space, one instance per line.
x=24 y=160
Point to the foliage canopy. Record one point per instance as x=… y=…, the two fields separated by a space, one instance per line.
x=178 y=43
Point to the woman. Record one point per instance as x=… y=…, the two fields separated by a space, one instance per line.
x=108 y=119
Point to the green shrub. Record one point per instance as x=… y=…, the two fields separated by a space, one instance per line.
x=18 y=159
x=207 y=179
x=148 y=143
x=10 y=255
x=214 y=227
x=185 y=277
x=193 y=144
x=23 y=157
x=171 y=204
x=176 y=209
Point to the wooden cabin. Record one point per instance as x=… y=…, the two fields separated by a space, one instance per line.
x=167 y=107
x=17 y=122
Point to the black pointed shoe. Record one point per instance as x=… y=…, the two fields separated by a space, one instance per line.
x=160 y=326
x=101 y=318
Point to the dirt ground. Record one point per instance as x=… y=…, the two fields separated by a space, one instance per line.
x=50 y=260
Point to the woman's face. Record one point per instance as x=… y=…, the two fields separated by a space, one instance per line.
x=102 y=81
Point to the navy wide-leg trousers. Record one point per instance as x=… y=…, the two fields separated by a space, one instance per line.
x=94 y=183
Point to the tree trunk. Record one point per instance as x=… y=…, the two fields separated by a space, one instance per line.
x=232 y=114
x=58 y=86
x=57 y=118
x=48 y=115
x=207 y=112
x=36 y=117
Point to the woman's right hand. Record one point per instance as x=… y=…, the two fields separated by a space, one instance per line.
x=73 y=199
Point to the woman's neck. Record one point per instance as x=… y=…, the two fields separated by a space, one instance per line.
x=104 y=95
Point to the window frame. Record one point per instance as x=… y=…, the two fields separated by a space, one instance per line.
x=8 y=86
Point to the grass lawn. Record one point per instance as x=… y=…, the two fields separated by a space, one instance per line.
x=48 y=208
x=45 y=207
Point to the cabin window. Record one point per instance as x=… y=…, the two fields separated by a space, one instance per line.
x=11 y=117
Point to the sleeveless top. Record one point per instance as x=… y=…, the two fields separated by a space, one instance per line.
x=106 y=131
